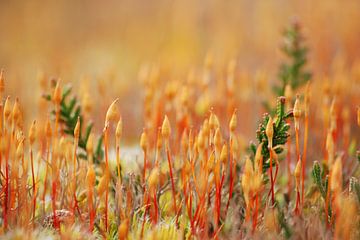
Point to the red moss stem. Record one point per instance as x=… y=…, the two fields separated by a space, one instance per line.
x=6 y=199
x=144 y=219
x=91 y=211
x=33 y=183
x=304 y=158
x=144 y=171
x=46 y=173
x=106 y=169
x=271 y=179
x=297 y=207
x=255 y=217
x=156 y=209
x=172 y=178
x=53 y=198
x=288 y=157
x=327 y=202
x=231 y=179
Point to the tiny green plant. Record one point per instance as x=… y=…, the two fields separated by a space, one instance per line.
x=70 y=111
x=272 y=135
x=321 y=180
x=294 y=71
x=280 y=133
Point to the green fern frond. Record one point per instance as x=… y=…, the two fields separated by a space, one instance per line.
x=281 y=133
x=293 y=72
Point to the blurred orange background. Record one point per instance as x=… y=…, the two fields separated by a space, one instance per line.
x=108 y=41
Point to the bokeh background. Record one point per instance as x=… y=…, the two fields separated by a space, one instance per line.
x=104 y=44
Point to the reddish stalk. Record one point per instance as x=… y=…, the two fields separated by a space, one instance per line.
x=91 y=211
x=248 y=207
x=171 y=176
x=1 y=157
x=217 y=232
x=13 y=177
x=288 y=157
x=304 y=158
x=74 y=177
x=231 y=168
x=53 y=194
x=327 y=202
x=144 y=171
x=118 y=161
x=255 y=216
x=53 y=198
x=297 y=143
x=271 y=178
x=297 y=207
x=6 y=200
x=144 y=219
x=46 y=172
x=156 y=209
x=198 y=208
x=191 y=217
x=220 y=187
x=33 y=183
x=217 y=206
x=106 y=169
